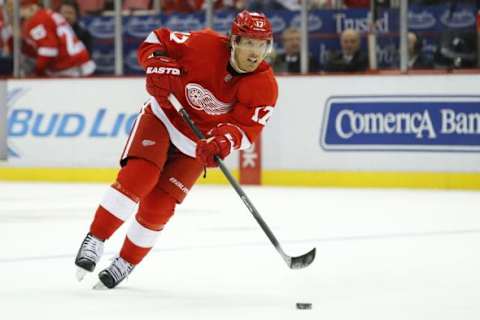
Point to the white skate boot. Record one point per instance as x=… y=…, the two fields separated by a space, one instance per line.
x=88 y=255
x=114 y=274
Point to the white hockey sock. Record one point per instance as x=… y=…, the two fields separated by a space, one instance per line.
x=141 y=236
x=118 y=204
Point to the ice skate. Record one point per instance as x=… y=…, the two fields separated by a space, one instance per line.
x=114 y=274
x=88 y=255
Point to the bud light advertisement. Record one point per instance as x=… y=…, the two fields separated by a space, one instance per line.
x=402 y=123
x=85 y=125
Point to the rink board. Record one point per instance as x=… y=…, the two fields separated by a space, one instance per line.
x=360 y=131
x=430 y=180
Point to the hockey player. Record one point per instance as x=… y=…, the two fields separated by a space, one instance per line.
x=229 y=92
x=52 y=43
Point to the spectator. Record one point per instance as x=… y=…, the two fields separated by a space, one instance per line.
x=457 y=49
x=55 y=4
x=254 y=5
x=437 y=2
x=349 y=58
x=416 y=60
x=289 y=4
x=366 y=3
x=136 y=5
x=71 y=13
x=321 y=4
x=262 y=5
x=424 y=2
x=237 y=5
x=6 y=62
x=356 y=3
x=289 y=61
x=186 y=6
x=91 y=6
x=52 y=44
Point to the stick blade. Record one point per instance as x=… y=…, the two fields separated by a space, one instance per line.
x=302 y=261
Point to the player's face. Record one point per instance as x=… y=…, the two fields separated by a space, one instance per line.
x=249 y=53
x=27 y=11
x=68 y=12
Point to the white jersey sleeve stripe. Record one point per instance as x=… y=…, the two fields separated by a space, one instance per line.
x=47 y=52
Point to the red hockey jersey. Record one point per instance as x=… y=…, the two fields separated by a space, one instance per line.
x=55 y=45
x=210 y=93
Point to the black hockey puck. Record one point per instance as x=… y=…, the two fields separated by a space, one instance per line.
x=304 y=306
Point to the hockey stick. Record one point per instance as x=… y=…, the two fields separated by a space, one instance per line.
x=293 y=262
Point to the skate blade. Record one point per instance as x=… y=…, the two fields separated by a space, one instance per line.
x=100 y=286
x=80 y=274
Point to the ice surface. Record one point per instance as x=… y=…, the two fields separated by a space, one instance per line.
x=392 y=254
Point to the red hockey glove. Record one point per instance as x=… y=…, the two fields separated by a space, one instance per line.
x=163 y=75
x=220 y=142
x=207 y=149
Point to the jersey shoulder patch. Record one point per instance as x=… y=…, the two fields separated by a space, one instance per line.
x=38 y=32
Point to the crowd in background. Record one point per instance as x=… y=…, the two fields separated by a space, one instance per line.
x=189 y=6
x=352 y=55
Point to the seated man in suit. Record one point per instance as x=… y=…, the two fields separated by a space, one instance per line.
x=349 y=58
x=416 y=59
x=289 y=60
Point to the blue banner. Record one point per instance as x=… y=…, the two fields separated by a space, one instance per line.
x=423 y=123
